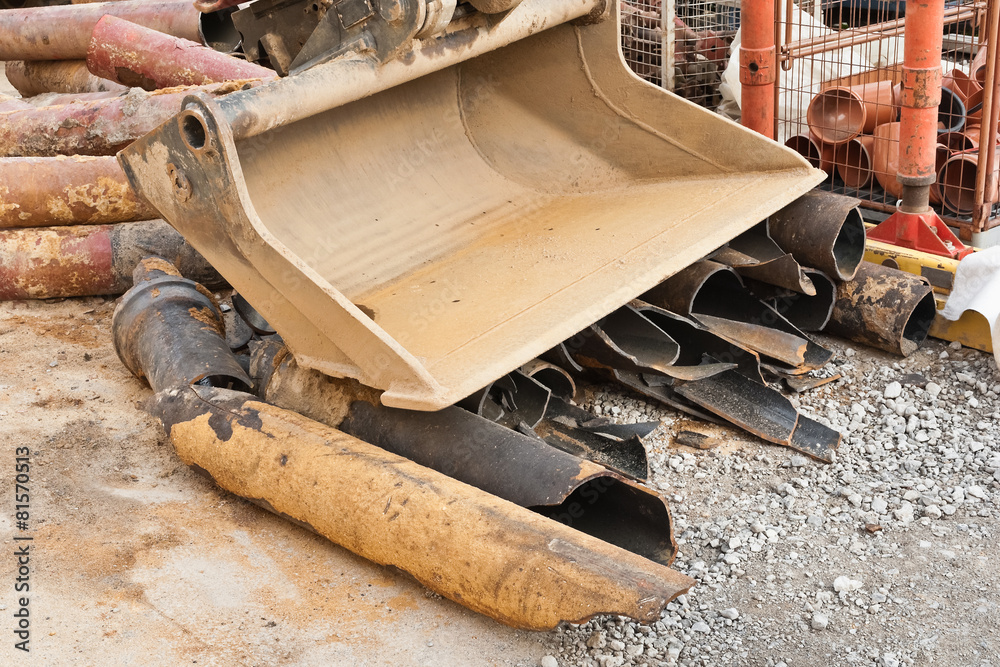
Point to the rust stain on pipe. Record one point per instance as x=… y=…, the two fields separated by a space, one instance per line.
x=34 y=77
x=884 y=308
x=63 y=32
x=76 y=190
x=487 y=554
x=135 y=55
x=98 y=127
x=42 y=263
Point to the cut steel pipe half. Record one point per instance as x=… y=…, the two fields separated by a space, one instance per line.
x=823 y=231
x=487 y=554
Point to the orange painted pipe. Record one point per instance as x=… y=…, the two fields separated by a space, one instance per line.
x=757 y=66
x=920 y=94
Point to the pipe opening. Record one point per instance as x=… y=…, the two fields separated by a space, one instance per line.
x=918 y=325
x=836 y=115
x=224 y=382
x=951 y=112
x=849 y=247
x=957 y=181
x=217 y=30
x=717 y=296
x=618 y=514
x=555 y=380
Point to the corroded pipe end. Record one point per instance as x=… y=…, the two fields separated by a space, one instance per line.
x=884 y=308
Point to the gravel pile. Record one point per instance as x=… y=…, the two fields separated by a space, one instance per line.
x=886 y=557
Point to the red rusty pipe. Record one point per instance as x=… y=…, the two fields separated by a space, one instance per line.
x=34 y=77
x=757 y=74
x=920 y=97
x=63 y=32
x=77 y=190
x=135 y=55
x=98 y=127
x=48 y=262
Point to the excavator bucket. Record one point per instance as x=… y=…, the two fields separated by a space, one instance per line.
x=430 y=223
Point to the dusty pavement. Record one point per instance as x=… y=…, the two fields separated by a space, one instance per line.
x=137 y=560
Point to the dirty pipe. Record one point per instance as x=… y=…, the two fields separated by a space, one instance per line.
x=67 y=190
x=822 y=230
x=169 y=330
x=63 y=32
x=135 y=55
x=487 y=554
x=757 y=66
x=42 y=263
x=34 y=77
x=96 y=127
x=885 y=308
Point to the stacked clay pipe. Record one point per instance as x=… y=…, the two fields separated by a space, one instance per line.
x=853 y=133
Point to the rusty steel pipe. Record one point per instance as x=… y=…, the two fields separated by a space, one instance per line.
x=485 y=553
x=42 y=263
x=884 y=308
x=757 y=66
x=95 y=127
x=63 y=32
x=169 y=330
x=76 y=190
x=34 y=77
x=822 y=230
x=135 y=55
x=920 y=98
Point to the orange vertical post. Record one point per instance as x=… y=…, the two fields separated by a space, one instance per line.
x=757 y=63
x=915 y=224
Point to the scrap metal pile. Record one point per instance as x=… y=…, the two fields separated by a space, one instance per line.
x=399 y=368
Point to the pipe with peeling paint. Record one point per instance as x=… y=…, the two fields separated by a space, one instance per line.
x=42 y=263
x=63 y=32
x=76 y=190
x=34 y=77
x=134 y=55
x=487 y=554
x=96 y=127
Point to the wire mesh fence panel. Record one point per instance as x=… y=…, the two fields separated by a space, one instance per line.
x=699 y=35
x=838 y=99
